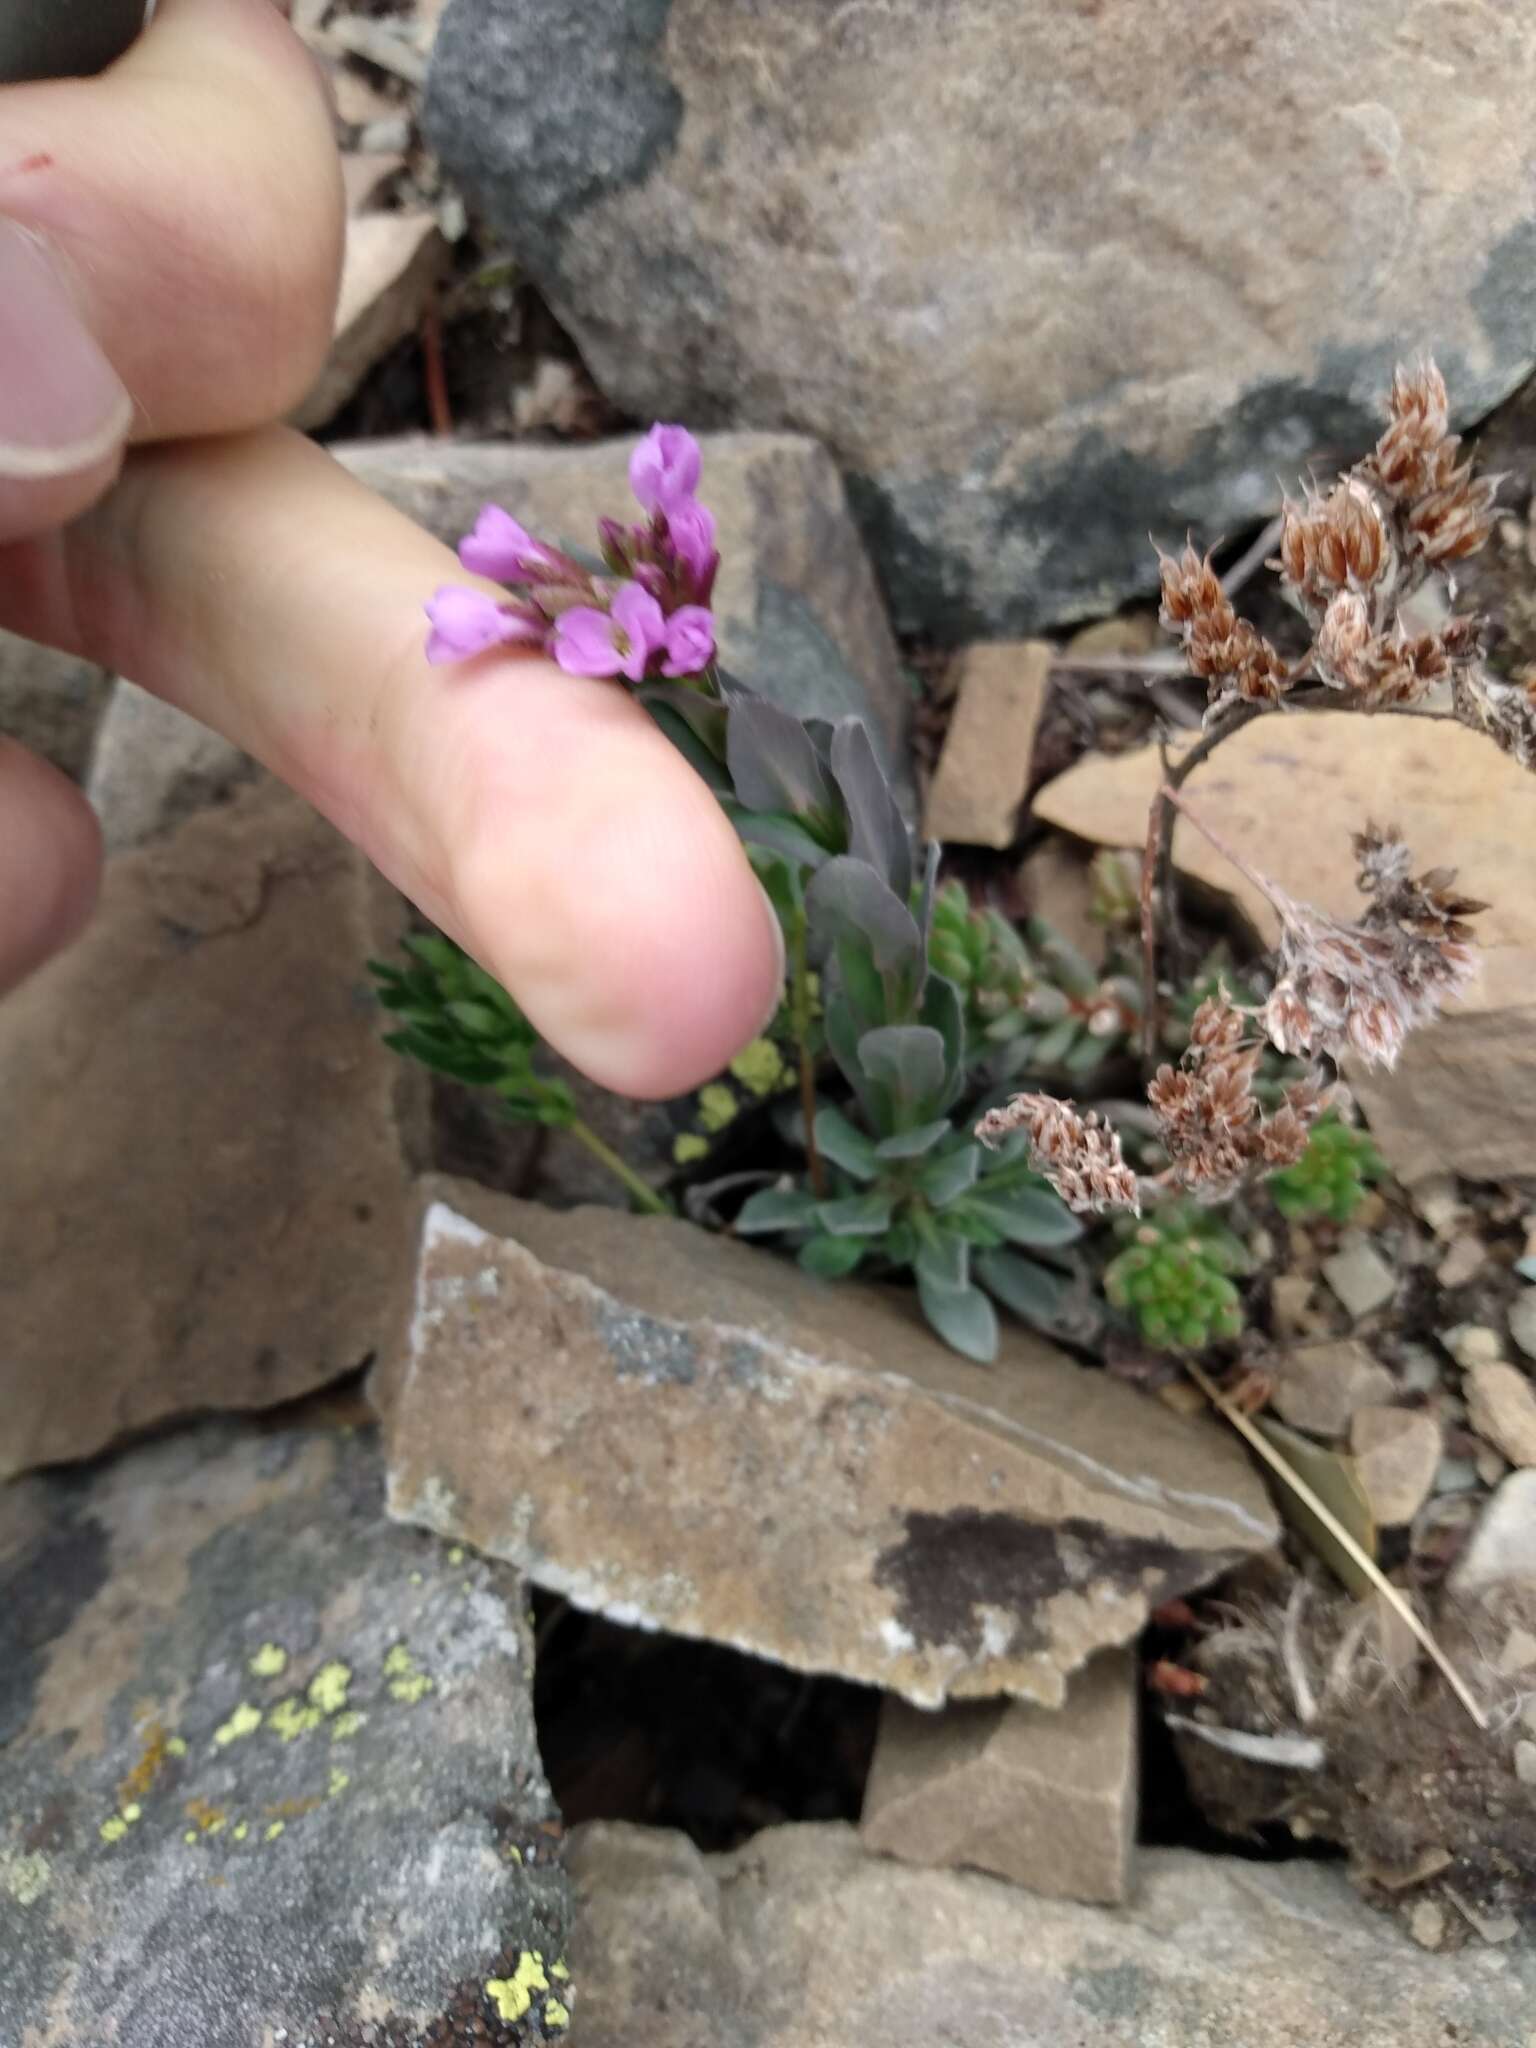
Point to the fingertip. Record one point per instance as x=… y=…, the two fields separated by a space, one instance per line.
x=50 y=862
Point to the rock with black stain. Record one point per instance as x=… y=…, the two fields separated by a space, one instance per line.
x=682 y=1432
x=797 y=611
x=801 y=1939
x=207 y=1148
x=51 y=702
x=267 y=1761
x=153 y=767
x=1042 y=278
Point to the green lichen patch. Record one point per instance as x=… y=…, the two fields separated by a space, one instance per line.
x=270 y=1661
x=244 y=1721
x=328 y=1687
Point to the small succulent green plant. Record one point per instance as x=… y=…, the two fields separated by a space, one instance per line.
x=1174 y=1275
x=1331 y=1177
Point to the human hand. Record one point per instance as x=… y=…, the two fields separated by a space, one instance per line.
x=170 y=237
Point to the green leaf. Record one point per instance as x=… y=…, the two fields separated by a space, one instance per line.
x=909 y=1060
x=846 y=1146
x=913 y=1144
x=1033 y=1292
x=1052 y=1046
x=1334 y=1479
x=480 y=1019
x=952 y=1174
x=772 y=1209
x=943 y=1011
x=701 y=758
x=862 y=983
x=1027 y=1215
x=864 y=1215
x=705 y=717
x=963 y=1317
x=943 y=1260
x=832 y=1258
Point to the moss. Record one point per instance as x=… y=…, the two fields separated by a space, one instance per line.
x=270 y=1661
x=688 y=1148
x=245 y=1720
x=717 y=1106
x=759 y=1067
x=328 y=1687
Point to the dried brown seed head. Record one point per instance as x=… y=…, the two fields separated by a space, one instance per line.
x=1079 y=1155
x=1225 y=651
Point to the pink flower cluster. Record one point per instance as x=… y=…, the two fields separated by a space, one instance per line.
x=650 y=617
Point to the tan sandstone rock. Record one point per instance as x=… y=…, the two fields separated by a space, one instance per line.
x=1287 y=791
x=683 y=1432
x=1397 y=1453
x=1501 y=1406
x=1046 y=1799
x=204 y=1202
x=978 y=787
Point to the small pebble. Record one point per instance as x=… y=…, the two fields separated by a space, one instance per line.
x=1438 y=1201
x=1522 y=1320
x=1360 y=1277
x=1473 y=1344
x=1419 y=1371
x=1525 y=1762
x=1463 y=1259
x=1426 y=1923
x=1455 y=1475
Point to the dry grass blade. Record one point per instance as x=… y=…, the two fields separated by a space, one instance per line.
x=1363 y=1563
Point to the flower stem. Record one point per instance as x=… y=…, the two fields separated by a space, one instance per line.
x=644 y=1198
x=800 y=1022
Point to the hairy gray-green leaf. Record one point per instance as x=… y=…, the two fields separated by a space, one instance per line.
x=909 y=1059
x=772 y=1209
x=877 y=832
x=864 y=1215
x=845 y=1145
x=775 y=766
x=847 y=898
x=963 y=1317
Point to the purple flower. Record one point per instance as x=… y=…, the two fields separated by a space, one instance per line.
x=502 y=549
x=592 y=643
x=466 y=622
x=691 y=529
x=664 y=469
x=690 y=641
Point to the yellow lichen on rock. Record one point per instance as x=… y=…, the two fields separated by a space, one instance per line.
x=270 y=1661
x=328 y=1687
x=245 y=1720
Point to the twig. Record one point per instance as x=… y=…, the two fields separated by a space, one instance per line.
x=1157 y=661
x=1157 y=861
x=1251 y=560
x=1362 y=1560
x=800 y=1021
x=439 y=410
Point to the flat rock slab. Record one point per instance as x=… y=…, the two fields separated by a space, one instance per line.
x=1047 y=1799
x=801 y=1940
x=264 y=1758
x=1454 y=1103
x=954 y=242
x=682 y=1432
x=206 y=1196
x=797 y=611
x=51 y=702
x=978 y=788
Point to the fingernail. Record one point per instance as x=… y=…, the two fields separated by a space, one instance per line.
x=62 y=405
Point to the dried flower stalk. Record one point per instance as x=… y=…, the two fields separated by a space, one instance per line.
x=1079 y=1155
x=1208 y=1117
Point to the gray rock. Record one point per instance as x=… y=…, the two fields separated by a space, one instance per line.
x=1503 y=1545
x=1042 y=278
x=797 y=610
x=1045 y=1799
x=684 y=1432
x=1360 y=1277
x=153 y=767
x=1522 y=1320
x=1319 y=1386
x=263 y=1756
x=50 y=702
x=800 y=1940
x=208 y=1148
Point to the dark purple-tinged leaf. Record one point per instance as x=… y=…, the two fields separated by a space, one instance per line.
x=848 y=899
x=877 y=832
x=779 y=833
x=774 y=764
